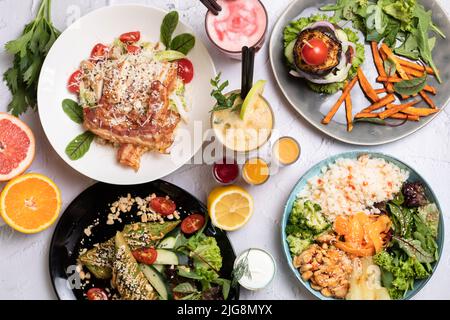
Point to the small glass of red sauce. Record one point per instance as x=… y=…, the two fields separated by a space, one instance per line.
x=226 y=171
x=240 y=23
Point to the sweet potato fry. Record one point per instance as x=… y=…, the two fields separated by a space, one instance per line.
x=381 y=103
x=414 y=72
x=394 y=116
x=384 y=48
x=393 y=109
x=381 y=90
x=427 y=99
x=430 y=89
x=389 y=79
x=367 y=87
x=380 y=65
x=335 y=108
x=415 y=66
x=348 y=112
x=421 y=112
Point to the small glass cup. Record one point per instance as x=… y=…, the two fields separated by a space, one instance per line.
x=225 y=171
x=276 y=153
x=256 y=171
x=247 y=253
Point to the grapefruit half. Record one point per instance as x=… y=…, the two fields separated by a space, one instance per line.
x=17 y=147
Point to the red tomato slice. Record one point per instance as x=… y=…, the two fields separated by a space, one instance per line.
x=99 y=52
x=163 y=206
x=130 y=37
x=73 y=85
x=185 y=70
x=145 y=255
x=97 y=294
x=192 y=223
x=315 y=52
x=133 y=49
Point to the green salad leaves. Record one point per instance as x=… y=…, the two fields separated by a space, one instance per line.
x=403 y=25
x=412 y=249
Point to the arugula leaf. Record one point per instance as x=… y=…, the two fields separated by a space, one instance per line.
x=168 y=27
x=79 y=146
x=183 y=43
x=73 y=110
x=410 y=87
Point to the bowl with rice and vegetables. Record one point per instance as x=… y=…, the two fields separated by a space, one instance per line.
x=362 y=226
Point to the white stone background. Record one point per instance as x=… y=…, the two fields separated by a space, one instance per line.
x=24 y=259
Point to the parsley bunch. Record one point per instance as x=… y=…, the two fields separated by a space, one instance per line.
x=29 y=51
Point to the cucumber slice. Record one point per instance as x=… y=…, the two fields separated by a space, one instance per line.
x=157 y=280
x=169 y=55
x=341 y=35
x=168 y=257
x=289 y=52
x=159 y=267
x=167 y=243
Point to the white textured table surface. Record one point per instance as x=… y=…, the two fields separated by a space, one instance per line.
x=24 y=259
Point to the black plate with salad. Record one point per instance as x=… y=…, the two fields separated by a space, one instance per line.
x=144 y=242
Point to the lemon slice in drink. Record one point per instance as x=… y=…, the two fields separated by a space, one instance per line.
x=230 y=207
x=252 y=96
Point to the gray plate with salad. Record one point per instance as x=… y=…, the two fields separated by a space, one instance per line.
x=364 y=72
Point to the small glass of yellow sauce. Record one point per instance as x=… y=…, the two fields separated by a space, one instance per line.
x=286 y=150
x=256 y=171
x=244 y=135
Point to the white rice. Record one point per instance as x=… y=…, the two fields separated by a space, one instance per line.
x=349 y=186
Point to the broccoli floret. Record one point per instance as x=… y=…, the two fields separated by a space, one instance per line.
x=419 y=269
x=308 y=214
x=395 y=293
x=298 y=245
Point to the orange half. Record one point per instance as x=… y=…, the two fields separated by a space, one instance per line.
x=30 y=203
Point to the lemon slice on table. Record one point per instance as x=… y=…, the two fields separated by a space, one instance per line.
x=230 y=207
x=252 y=96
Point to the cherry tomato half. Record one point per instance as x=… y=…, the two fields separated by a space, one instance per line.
x=192 y=223
x=133 y=49
x=163 y=206
x=73 y=85
x=145 y=255
x=97 y=294
x=185 y=70
x=130 y=37
x=99 y=52
x=314 y=52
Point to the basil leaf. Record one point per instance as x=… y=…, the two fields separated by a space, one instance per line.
x=168 y=27
x=73 y=110
x=183 y=43
x=79 y=146
x=414 y=249
x=185 y=287
x=410 y=87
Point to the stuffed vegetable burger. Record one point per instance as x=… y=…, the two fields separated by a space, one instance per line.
x=322 y=53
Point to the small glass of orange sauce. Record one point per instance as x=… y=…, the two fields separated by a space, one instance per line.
x=256 y=171
x=286 y=150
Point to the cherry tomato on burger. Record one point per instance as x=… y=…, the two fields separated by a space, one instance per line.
x=99 y=52
x=192 y=223
x=314 y=52
x=185 y=70
x=73 y=85
x=133 y=49
x=163 y=206
x=130 y=37
x=97 y=294
x=145 y=255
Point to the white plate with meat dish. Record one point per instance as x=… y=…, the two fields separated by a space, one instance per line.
x=116 y=96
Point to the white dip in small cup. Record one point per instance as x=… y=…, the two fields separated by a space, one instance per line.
x=261 y=267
